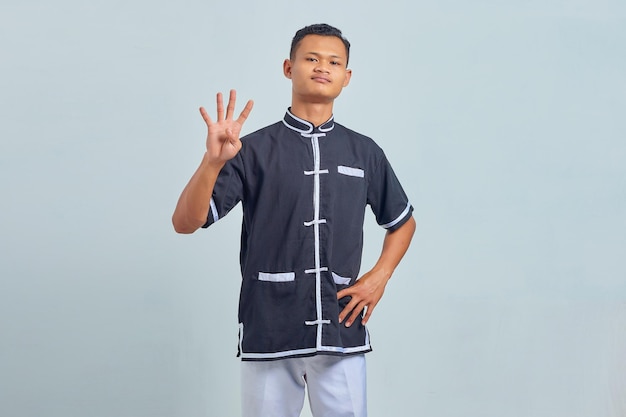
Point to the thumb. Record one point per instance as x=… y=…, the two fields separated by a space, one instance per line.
x=231 y=136
x=233 y=140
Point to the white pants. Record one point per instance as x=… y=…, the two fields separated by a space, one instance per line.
x=336 y=386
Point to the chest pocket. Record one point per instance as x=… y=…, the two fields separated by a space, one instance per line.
x=352 y=186
x=350 y=171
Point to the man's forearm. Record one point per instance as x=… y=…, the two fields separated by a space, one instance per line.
x=395 y=245
x=194 y=202
x=369 y=289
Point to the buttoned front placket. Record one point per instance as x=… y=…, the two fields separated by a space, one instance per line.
x=318 y=221
x=315 y=223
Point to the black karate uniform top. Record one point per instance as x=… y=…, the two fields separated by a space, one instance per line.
x=304 y=191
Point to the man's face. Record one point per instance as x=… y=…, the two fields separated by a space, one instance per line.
x=318 y=69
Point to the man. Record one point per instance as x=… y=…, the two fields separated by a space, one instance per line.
x=304 y=184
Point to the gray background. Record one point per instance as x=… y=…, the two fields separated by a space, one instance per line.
x=504 y=120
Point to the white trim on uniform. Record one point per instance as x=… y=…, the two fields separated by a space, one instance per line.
x=350 y=171
x=316 y=232
x=304 y=122
x=329 y=128
x=307 y=351
x=277 y=355
x=241 y=338
x=312 y=222
x=216 y=216
x=346 y=350
x=340 y=280
x=277 y=277
x=400 y=217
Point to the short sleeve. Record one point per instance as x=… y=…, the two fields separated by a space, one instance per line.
x=387 y=198
x=228 y=190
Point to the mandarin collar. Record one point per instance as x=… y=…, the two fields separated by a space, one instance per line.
x=304 y=126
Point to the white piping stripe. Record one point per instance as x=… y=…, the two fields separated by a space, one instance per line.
x=278 y=354
x=295 y=128
x=329 y=128
x=295 y=352
x=312 y=222
x=345 y=350
x=400 y=217
x=316 y=232
x=241 y=338
x=216 y=216
x=314 y=322
x=315 y=270
x=324 y=171
x=309 y=130
x=304 y=122
x=316 y=227
x=352 y=172
x=340 y=280
x=277 y=277
x=309 y=124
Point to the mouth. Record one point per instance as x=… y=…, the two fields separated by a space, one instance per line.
x=320 y=79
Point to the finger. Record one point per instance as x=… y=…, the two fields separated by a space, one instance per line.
x=220 y=107
x=230 y=110
x=344 y=313
x=346 y=292
x=245 y=112
x=205 y=116
x=232 y=139
x=368 y=312
x=347 y=310
x=355 y=313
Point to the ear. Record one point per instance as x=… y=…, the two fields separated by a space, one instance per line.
x=287 y=68
x=346 y=81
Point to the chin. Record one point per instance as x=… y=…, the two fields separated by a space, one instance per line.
x=319 y=97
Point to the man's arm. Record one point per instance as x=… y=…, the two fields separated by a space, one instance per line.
x=369 y=289
x=222 y=144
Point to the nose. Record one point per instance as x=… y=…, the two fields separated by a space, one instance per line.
x=321 y=67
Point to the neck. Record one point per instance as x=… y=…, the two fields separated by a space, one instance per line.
x=316 y=113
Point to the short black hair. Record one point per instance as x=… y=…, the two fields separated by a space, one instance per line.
x=318 y=29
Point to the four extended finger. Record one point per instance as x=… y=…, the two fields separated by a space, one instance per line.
x=220 y=107
x=205 y=116
x=245 y=112
x=230 y=109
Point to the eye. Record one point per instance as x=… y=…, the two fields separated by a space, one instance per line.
x=311 y=59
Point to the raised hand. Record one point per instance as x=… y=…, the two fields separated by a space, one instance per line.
x=222 y=142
